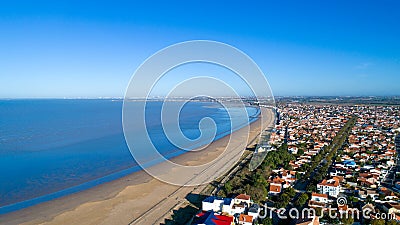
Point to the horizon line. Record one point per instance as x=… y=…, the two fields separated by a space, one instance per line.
x=176 y=97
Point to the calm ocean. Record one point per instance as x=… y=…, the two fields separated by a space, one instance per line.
x=51 y=148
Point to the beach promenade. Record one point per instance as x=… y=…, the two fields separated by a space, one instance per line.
x=139 y=198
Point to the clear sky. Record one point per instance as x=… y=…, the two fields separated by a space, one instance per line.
x=91 y=49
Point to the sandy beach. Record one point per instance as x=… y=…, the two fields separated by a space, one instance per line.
x=139 y=198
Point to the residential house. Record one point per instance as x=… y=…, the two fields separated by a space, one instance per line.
x=210 y=218
x=242 y=198
x=238 y=208
x=275 y=189
x=391 y=208
x=254 y=211
x=330 y=187
x=308 y=221
x=217 y=204
x=245 y=219
x=318 y=200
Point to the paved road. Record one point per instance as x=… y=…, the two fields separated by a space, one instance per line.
x=163 y=209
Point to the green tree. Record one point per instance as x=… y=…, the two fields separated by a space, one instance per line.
x=369 y=199
x=258 y=193
x=392 y=222
x=267 y=221
x=378 y=222
x=318 y=212
x=347 y=220
x=284 y=198
x=283 y=201
x=228 y=187
x=301 y=200
x=290 y=192
x=283 y=147
x=331 y=220
x=311 y=188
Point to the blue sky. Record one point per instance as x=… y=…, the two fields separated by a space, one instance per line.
x=73 y=49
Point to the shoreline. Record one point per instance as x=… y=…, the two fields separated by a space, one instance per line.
x=110 y=177
x=119 y=201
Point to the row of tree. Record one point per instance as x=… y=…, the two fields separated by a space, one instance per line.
x=329 y=153
x=255 y=183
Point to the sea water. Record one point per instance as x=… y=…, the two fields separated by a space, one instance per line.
x=51 y=148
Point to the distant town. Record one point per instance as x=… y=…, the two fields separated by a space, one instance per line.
x=329 y=161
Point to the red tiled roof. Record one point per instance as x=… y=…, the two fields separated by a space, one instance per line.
x=319 y=195
x=316 y=204
x=245 y=218
x=243 y=197
x=278 y=180
x=223 y=220
x=335 y=182
x=211 y=218
x=275 y=188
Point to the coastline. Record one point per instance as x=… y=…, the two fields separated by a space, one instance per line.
x=123 y=200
